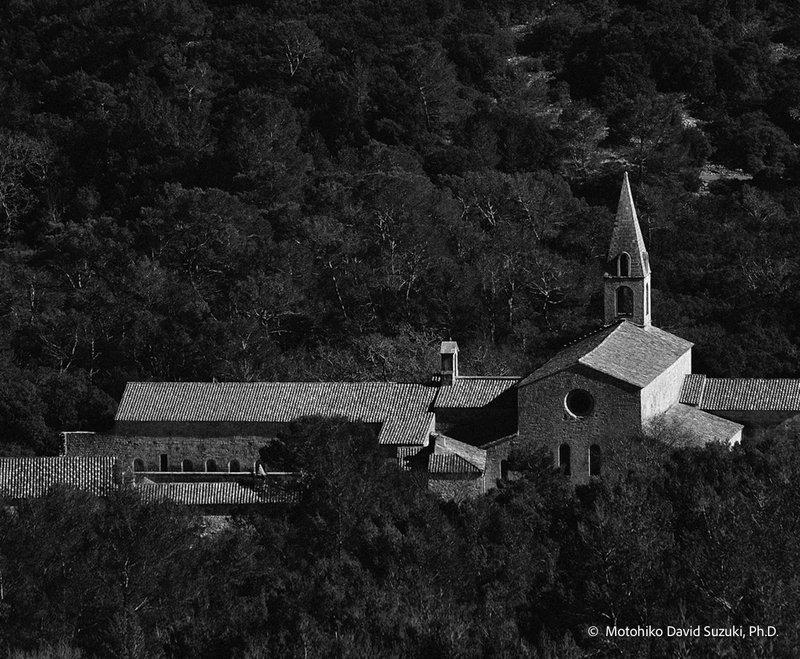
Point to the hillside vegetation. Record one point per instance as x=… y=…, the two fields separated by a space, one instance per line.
x=323 y=190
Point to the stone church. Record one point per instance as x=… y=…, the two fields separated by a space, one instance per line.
x=198 y=443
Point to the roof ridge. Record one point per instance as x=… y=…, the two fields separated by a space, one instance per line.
x=590 y=334
x=754 y=379
x=487 y=377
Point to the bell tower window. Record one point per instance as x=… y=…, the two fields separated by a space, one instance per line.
x=624 y=301
x=624 y=265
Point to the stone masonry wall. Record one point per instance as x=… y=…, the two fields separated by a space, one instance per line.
x=496 y=453
x=544 y=419
x=663 y=392
x=150 y=449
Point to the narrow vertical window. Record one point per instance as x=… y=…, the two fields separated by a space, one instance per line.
x=624 y=301
x=595 y=460
x=564 y=459
x=163 y=462
x=138 y=464
x=211 y=465
x=187 y=465
x=624 y=265
x=447 y=363
x=647 y=299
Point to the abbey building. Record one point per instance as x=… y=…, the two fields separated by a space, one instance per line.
x=198 y=442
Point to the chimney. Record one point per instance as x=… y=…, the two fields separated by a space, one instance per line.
x=449 y=370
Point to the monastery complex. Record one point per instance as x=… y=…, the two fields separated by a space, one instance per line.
x=198 y=443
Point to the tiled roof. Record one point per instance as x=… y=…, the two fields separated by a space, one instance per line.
x=473 y=391
x=406 y=455
x=692 y=389
x=627 y=235
x=624 y=351
x=445 y=456
x=742 y=394
x=444 y=445
x=403 y=409
x=206 y=494
x=21 y=478
x=450 y=463
x=700 y=427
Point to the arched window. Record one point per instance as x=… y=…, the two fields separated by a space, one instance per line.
x=624 y=301
x=564 y=459
x=595 y=460
x=187 y=465
x=234 y=465
x=624 y=265
x=163 y=462
x=138 y=464
x=211 y=465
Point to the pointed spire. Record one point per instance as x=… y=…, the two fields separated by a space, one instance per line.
x=627 y=236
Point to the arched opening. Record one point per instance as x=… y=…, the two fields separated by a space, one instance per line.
x=163 y=462
x=564 y=459
x=187 y=465
x=624 y=301
x=138 y=464
x=234 y=465
x=211 y=465
x=624 y=265
x=595 y=460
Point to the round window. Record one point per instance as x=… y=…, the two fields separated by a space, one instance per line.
x=579 y=402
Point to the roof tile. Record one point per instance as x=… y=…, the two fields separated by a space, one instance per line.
x=403 y=409
x=450 y=463
x=624 y=351
x=701 y=427
x=469 y=392
x=217 y=493
x=21 y=478
x=744 y=394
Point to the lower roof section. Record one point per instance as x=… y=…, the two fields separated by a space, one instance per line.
x=214 y=494
x=742 y=394
x=26 y=477
x=685 y=425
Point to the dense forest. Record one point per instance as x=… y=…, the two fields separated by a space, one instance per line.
x=323 y=190
x=369 y=564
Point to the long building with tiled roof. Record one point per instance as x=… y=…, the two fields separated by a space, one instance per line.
x=403 y=411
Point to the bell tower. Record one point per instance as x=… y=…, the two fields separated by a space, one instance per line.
x=626 y=281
